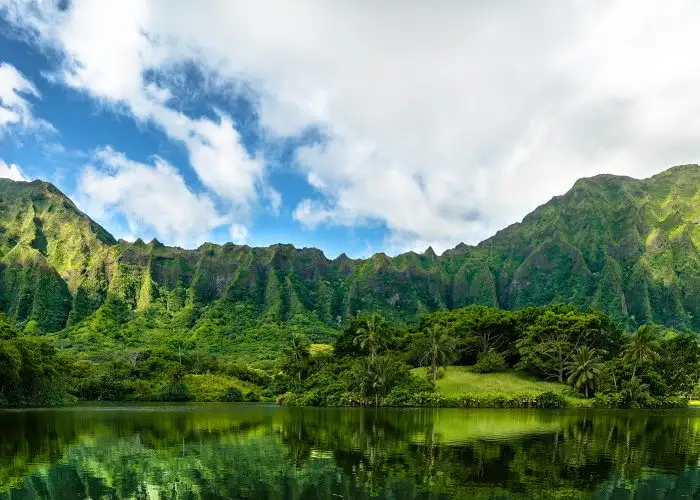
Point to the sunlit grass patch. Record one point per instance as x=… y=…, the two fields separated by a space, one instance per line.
x=213 y=387
x=459 y=380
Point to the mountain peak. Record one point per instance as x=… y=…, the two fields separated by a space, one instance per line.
x=430 y=253
x=623 y=245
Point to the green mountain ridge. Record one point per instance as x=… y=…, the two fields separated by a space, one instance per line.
x=629 y=247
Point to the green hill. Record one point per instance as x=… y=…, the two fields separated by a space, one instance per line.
x=629 y=247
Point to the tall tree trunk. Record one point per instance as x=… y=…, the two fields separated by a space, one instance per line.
x=585 y=390
x=434 y=373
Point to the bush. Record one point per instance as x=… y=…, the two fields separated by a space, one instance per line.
x=489 y=362
x=354 y=399
x=252 y=397
x=175 y=391
x=433 y=399
x=234 y=395
x=611 y=400
x=617 y=400
x=523 y=400
x=663 y=402
x=551 y=400
x=287 y=399
x=405 y=389
x=248 y=374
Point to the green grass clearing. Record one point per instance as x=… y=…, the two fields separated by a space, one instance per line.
x=459 y=380
x=212 y=387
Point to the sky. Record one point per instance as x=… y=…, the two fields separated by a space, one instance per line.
x=352 y=126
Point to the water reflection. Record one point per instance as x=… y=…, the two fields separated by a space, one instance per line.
x=236 y=451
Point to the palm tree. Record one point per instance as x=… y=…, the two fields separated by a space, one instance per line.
x=296 y=355
x=634 y=391
x=373 y=377
x=642 y=348
x=370 y=335
x=585 y=369
x=439 y=349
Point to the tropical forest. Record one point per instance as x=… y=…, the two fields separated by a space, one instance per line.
x=593 y=300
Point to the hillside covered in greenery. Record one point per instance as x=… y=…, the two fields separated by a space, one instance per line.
x=628 y=247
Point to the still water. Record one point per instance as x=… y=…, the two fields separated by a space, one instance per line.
x=259 y=451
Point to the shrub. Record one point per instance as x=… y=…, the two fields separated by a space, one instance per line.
x=551 y=400
x=523 y=400
x=252 y=397
x=433 y=399
x=175 y=391
x=234 y=395
x=287 y=399
x=405 y=389
x=354 y=399
x=617 y=400
x=663 y=402
x=611 y=400
x=489 y=362
x=248 y=374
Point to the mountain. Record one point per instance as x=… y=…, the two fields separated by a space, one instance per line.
x=630 y=247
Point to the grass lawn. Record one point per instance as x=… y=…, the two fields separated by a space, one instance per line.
x=458 y=380
x=212 y=387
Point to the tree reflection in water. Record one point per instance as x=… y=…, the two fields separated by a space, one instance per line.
x=237 y=451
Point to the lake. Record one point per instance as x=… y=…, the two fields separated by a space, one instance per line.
x=263 y=451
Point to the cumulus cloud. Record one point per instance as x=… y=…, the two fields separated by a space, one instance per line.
x=11 y=171
x=15 y=109
x=443 y=121
x=107 y=49
x=152 y=197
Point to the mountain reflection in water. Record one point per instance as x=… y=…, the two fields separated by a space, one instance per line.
x=257 y=451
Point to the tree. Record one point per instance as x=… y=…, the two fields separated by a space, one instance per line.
x=548 y=345
x=370 y=335
x=679 y=363
x=486 y=328
x=438 y=350
x=296 y=356
x=641 y=348
x=375 y=377
x=585 y=369
x=634 y=392
x=31 y=372
x=7 y=330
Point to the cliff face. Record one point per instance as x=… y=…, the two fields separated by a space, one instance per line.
x=630 y=247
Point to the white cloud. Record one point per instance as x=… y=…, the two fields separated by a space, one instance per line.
x=238 y=233
x=15 y=109
x=154 y=198
x=274 y=199
x=445 y=121
x=107 y=48
x=11 y=171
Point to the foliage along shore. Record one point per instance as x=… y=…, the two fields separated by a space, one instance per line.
x=604 y=366
x=572 y=358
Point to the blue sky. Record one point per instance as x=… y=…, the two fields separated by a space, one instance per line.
x=354 y=127
x=84 y=125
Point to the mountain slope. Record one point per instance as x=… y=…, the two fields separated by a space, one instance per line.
x=630 y=247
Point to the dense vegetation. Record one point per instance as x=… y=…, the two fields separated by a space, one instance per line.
x=371 y=363
x=112 y=320
x=554 y=356
x=628 y=247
